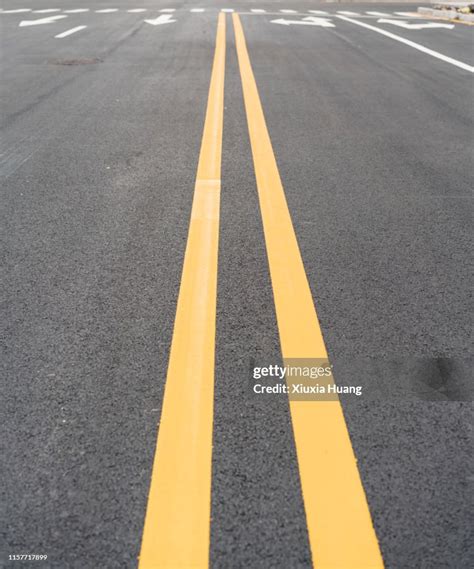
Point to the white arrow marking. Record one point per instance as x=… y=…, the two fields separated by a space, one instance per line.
x=309 y=21
x=324 y=22
x=422 y=26
x=163 y=19
x=48 y=20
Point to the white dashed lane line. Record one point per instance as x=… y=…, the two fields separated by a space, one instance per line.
x=378 y=14
x=262 y=11
x=70 y=32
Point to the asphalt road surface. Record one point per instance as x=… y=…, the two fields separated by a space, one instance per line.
x=370 y=120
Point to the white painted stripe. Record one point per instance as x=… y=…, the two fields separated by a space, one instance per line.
x=76 y=10
x=41 y=21
x=197 y=10
x=136 y=10
x=412 y=44
x=168 y=10
x=70 y=32
x=319 y=12
x=345 y=13
x=408 y=14
x=17 y=11
x=378 y=14
x=106 y=10
x=228 y=10
x=288 y=11
x=47 y=11
x=258 y=11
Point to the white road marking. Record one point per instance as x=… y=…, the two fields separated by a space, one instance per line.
x=17 y=11
x=163 y=19
x=47 y=20
x=227 y=10
x=412 y=44
x=346 y=13
x=106 y=11
x=169 y=10
x=288 y=11
x=197 y=10
x=70 y=32
x=47 y=11
x=258 y=11
x=378 y=14
x=309 y=21
x=76 y=10
x=324 y=22
x=319 y=12
x=419 y=26
x=408 y=14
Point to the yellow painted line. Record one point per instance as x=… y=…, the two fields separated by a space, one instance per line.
x=177 y=522
x=339 y=524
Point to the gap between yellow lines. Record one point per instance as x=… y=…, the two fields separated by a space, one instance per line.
x=176 y=530
x=339 y=524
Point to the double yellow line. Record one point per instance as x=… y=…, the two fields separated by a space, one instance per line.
x=177 y=523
